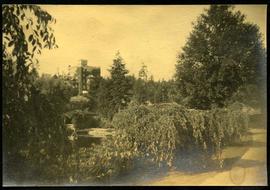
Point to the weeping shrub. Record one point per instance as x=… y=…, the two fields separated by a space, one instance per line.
x=105 y=161
x=158 y=134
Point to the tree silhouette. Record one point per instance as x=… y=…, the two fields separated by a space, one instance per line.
x=222 y=53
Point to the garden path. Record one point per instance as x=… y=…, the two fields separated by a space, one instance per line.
x=249 y=169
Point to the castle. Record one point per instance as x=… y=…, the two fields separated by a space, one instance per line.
x=85 y=73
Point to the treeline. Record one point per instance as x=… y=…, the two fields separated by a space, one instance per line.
x=223 y=61
x=109 y=95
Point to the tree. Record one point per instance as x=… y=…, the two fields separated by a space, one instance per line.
x=24 y=35
x=120 y=85
x=223 y=52
x=140 y=90
x=173 y=93
x=49 y=100
x=104 y=98
x=93 y=92
x=26 y=31
x=151 y=88
x=161 y=92
x=143 y=72
x=115 y=92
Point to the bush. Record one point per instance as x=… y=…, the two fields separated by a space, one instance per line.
x=107 y=160
x=153 y=134
x=159 y=134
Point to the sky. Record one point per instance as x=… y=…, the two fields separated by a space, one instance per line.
x=149 y=34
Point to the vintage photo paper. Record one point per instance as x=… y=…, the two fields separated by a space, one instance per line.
x=134 y=95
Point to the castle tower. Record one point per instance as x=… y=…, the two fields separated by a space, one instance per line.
x=85 y=73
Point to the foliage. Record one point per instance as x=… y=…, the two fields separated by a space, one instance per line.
x=104 y=97
x=153 y=134
x=140 y=89
x=161 y=92
x=35 y=138
x=143 y=73
x=57 y=86
x=162 y=134
x=223 y=52
x=46 y=138
x=26 y=30
x=145 y=91
x=19 y=50
x=250 y=95
x=93 y=92
x=140 y=92
x=120 y=86
x=46 y=158
x=107 y=160
x=115 y=92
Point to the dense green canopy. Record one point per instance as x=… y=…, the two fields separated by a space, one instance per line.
x=222 y=53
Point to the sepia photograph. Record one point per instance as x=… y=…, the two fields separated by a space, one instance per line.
x=134 y=95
